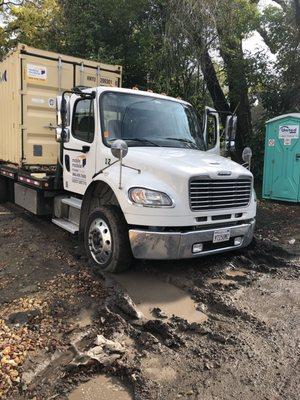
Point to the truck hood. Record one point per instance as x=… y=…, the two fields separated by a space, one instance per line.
x=183 y=162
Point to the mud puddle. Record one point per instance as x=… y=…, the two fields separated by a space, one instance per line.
x=150 y=293
x=101 y=387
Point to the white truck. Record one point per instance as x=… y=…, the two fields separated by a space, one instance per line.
x=173 y=196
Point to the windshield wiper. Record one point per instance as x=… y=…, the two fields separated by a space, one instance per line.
x=187 y=141
x=142 y=141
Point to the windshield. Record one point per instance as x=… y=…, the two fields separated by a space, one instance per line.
x=148 y=121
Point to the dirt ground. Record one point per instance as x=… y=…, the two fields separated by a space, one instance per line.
x=222 y=327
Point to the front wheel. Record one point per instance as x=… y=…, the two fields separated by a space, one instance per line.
x=106 y=239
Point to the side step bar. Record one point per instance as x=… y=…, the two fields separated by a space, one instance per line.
x=72 y=202
x=67 y=225
x=67 y=213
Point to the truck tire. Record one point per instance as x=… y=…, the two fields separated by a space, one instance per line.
x=106 y=239
x=3 y=190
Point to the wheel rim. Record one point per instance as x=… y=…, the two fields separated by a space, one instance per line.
x=100 y=241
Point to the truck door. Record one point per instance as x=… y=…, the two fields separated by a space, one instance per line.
x=79 y=152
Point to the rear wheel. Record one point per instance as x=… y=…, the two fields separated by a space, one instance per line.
x=106 y=239
x=3 y=190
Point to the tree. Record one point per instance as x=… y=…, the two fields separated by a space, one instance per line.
x=33 y=23
x=280 y=29
x=219 y=27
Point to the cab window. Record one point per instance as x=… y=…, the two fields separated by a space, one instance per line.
x=84 y=120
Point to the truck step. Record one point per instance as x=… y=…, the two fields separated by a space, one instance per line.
x=67 y=225
x=73 y=202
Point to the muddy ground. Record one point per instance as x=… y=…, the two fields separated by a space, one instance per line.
x=223 y=327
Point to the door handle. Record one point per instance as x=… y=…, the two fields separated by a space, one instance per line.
x=67 y=162
x=297 y=156
x=86 y=149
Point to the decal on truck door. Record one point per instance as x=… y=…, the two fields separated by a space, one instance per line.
x=36 y=73
x=78 y=170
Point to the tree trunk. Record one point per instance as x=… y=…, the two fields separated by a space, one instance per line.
x=213 y=85
x=232 y=54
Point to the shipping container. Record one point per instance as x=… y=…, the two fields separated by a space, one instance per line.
x=30 y=80
x=282 y=158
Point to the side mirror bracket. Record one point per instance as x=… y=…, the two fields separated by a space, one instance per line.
x=119 y=150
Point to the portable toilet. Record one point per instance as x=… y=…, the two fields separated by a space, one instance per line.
x=282 y=158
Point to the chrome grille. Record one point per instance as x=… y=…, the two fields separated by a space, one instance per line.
x=208 y=194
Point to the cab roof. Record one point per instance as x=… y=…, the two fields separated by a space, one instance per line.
x=101 y=89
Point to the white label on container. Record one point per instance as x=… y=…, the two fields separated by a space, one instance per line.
x=36 y=73
x=288 y=132
x=287 y=141
x=36 y=100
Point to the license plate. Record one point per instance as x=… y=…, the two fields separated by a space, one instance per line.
x=221 y=235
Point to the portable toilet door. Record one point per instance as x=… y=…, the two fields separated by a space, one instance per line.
x=282 y=158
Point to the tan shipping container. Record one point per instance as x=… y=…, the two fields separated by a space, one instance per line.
x=30 y=80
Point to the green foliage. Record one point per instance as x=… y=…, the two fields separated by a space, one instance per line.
x=33 y=23
x=280 y=89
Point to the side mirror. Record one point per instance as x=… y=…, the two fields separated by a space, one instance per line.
x=62 y=135
x=230 y=132
x=247 y=155
x=119 y=149
x=63 y=110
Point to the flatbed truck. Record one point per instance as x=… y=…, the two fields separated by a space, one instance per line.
x=133 y=172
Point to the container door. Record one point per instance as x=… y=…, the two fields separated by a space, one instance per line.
x=283 y=165
x=93 y=77
x=43 y=80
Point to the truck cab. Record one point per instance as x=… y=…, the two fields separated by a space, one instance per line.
x=143 y=178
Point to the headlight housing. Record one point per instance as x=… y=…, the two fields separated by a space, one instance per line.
x=149 y=198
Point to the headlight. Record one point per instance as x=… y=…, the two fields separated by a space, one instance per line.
x=149 y=198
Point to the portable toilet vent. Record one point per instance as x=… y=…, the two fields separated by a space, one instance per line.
x=282 y=158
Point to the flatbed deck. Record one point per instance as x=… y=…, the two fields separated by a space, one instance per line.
x=42 y=178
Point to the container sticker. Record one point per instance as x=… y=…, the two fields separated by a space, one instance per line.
x=288 y=132
x=287 y=141
x=36 y=73
x=271 y=143
x=78 y=171
x=52 y=102
x=36 y=100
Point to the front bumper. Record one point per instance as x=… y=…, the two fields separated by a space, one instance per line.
x=178 y=245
